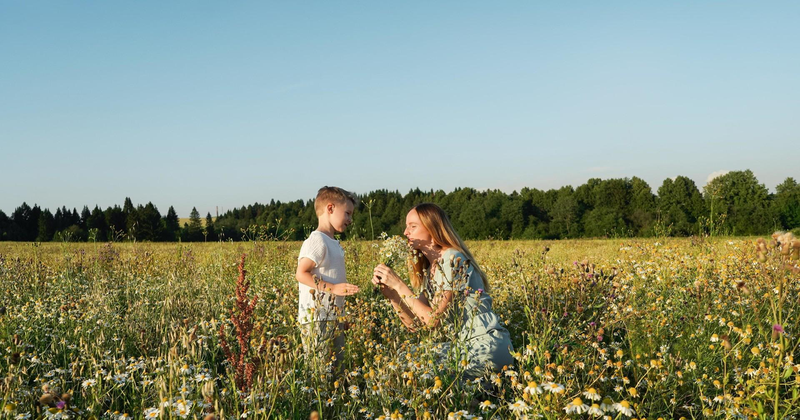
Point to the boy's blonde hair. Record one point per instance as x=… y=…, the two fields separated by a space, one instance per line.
x=334 y=195
x=435 y=220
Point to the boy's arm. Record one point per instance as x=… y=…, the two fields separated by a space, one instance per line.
x=304 y=276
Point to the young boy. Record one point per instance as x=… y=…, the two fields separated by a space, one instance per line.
x=321 y=276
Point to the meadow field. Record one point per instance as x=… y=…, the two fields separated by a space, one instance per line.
x=617 y=329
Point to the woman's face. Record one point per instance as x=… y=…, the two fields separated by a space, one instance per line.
x=417 y=235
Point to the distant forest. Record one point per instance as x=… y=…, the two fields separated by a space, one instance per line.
x=731 y=204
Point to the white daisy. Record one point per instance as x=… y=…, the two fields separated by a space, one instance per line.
x=624 y=407
x=595 y=410
x=592 y=395
x=533 y=388
x=576 y=407
x=518 y=407
x=152 y=413
x=553 y=387
x=487 y=405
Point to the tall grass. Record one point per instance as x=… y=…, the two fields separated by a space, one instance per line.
x=689 y=328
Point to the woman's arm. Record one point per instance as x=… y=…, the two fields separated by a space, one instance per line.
x=409 y=319
x=420 y=307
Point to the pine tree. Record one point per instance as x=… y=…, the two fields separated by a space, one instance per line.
x=195 y=227
x=172 y=225
x=210 y=234
x=85 y=214
x=115 y=220
x=97 y=222
x=46 y=227
x=58 y=220
x=25 y=225
x=5 y=223
x=149 y=228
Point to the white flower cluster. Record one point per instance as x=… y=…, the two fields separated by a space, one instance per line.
x=394 y=252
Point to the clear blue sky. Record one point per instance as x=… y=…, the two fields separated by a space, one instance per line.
x=195 y=103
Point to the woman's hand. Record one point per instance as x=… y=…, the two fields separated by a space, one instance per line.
x=383 y=275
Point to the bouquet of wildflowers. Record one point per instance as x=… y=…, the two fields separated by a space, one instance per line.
x=394 y=251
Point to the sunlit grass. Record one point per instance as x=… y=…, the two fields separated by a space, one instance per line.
x=673 y=328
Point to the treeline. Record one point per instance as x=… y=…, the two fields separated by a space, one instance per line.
x=129 y=222
x=731 y=204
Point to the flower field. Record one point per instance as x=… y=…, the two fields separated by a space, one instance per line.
x=618 y=329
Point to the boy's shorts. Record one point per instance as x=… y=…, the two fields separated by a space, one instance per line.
x=321 y=340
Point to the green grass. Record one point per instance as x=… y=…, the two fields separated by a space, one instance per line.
x=667 y=325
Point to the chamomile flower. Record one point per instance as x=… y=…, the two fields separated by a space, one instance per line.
x=152 y=413
x=595 y=410
x=624 y=407
x=607 y=405
x=553 y=387
x=533 y=388
x=576 y=407
x=487 y=405
x=592 y=395
x=518 y=407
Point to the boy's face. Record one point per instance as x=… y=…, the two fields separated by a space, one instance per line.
x=341 y=215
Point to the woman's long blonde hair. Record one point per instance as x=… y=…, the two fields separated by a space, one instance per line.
x=435 y=220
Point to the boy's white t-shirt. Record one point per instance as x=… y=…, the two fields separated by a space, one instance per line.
x=328 y=256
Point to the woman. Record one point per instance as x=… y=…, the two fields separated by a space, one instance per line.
x=454 y=292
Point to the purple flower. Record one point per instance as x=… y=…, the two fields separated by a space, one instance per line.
x=60 y=405
x=480 y=290
x=777 y=330
x=591 y=324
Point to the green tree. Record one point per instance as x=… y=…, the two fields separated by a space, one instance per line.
x=744 y=201
x=680 y=204
x=25 y=226
x=787 y=203
x=210 y=234
x=115 y=220
x=172 y=225
x=5 y=223
x=642 y=207
x=85 y=214
x=609 y=207
x=195 y=227
x=564 y=216
x=131 y=217
x=537 y=208
x=604 y=221
x=97 y=220
x=512 y=216
x=149 y=228
x=46 y=226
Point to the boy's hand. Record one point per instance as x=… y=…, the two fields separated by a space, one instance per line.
x=342 y=289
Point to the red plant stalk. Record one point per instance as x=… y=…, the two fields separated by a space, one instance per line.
x=244 y=365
